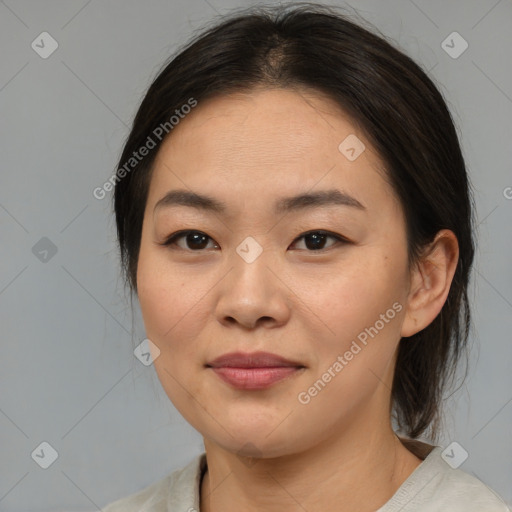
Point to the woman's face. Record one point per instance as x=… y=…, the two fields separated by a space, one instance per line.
x=247 y=279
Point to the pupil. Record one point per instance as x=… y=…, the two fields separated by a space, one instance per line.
x=197 y=237
x=318 y=237
x=199 y=241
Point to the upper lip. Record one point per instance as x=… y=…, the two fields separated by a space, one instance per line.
x=252 y=360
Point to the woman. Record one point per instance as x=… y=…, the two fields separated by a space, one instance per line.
x=295 y=217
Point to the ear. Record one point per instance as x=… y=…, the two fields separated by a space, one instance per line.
x=430 y=282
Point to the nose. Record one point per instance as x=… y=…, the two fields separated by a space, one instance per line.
x=253 y=294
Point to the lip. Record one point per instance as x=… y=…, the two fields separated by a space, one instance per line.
x=252 y=360
x=252 y=371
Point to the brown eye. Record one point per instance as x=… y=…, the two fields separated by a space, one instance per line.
x=316 y=240
x=194 y=240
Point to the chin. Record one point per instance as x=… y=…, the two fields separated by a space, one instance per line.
x=254 y=443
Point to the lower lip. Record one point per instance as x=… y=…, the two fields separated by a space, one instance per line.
x=254 y=378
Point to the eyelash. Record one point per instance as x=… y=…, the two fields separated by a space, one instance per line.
x=171 y=240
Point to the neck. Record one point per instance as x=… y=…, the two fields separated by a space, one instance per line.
x=333 y=475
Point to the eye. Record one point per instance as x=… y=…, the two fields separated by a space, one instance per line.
x=196 y=239
x=315 y=240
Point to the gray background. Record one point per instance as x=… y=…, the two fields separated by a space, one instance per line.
x=68 y=375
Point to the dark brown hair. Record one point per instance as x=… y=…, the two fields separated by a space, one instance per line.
x=400 y=111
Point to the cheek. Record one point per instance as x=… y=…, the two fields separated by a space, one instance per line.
x=171 y=310
x=174 y=308
x=163 y=294
x=360 y=312
x=160 y=308
x=354 y=296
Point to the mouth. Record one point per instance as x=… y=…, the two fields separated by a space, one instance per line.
x=258 y=370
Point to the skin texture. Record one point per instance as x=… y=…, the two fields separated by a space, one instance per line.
x=266 y=450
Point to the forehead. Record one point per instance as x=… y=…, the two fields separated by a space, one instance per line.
x=272 y=126
x=267 y=143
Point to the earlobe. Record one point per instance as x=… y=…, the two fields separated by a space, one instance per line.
x=430 y=282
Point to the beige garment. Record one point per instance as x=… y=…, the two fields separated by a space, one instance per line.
x=432 y=487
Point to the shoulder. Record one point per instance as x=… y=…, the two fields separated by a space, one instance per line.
x=152 y=498
x=435 y=486
x=177 y=491
x=457 y=488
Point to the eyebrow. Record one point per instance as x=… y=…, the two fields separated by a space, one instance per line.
x=332 y=197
